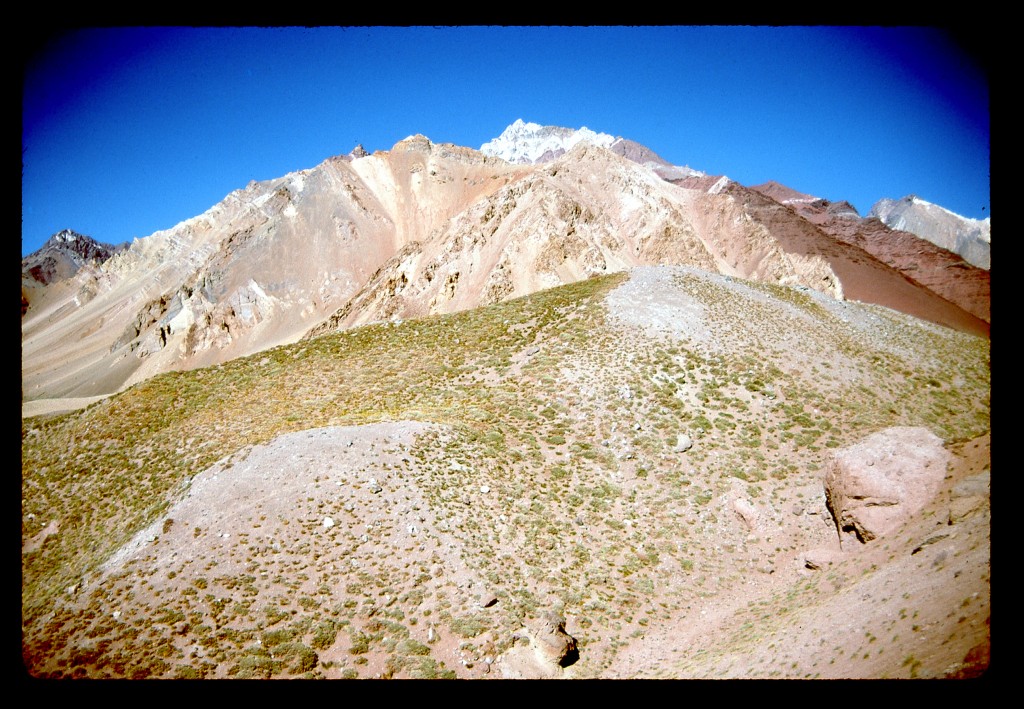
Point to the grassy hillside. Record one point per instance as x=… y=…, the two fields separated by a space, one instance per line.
x=572 y=418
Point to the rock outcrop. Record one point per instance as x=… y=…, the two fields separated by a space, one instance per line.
x=543 y=650
x=876 y=485
x=969 y=496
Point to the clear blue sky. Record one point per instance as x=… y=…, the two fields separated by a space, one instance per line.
x=129 y=131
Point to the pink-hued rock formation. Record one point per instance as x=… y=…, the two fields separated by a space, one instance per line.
x=876 y=485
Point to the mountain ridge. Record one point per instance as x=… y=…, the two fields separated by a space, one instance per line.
x=427 y=228
x=970 y=238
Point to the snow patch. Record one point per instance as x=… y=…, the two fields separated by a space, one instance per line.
x=524 y=142
x=720 y=185
x=914 y=199
x=262 y=199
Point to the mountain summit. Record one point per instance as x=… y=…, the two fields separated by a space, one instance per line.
x=532 y=143
x=62 y=255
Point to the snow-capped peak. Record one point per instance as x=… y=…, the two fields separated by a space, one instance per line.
x=525 y=142
x=917 y=200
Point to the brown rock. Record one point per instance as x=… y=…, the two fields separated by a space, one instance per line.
x=557 y=646
x=541 y=650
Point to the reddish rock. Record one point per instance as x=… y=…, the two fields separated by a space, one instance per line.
x=876 y=485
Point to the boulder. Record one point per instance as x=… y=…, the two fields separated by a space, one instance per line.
x=543 y=650
x=556 y=645
x=874 y=486
x=817 y=559
x=746 y=512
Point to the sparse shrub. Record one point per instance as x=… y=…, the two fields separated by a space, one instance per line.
x=298 y=657
x=256 y=664
x=187 y=672
x=360 y=644
x=324 y=634
x=468 y=626
x=277 y=637
x=409 y=646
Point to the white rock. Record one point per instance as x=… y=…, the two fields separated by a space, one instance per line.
x=328 y=522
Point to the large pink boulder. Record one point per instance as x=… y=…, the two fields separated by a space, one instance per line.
x=872 y=487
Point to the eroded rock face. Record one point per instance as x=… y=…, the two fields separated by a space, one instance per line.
x=969 y=496
x=874 y=486
x=557 y=646
x=545 y=650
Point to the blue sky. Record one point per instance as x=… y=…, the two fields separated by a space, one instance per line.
x=130 y=131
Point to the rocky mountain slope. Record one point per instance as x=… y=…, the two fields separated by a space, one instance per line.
x=619 y=477
x=940 y=270
x=970 y=238
x=424 y=229
x=62 y=256
x=432 y=413
x=260 y=268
